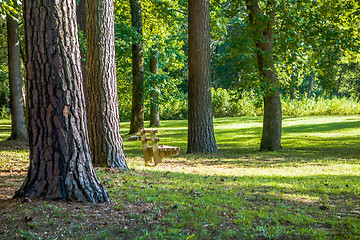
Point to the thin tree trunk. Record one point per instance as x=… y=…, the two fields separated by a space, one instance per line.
x=343 y=68
x=103 y=111
x=137 y=110
x=264 y=37
x=201 y=138
x=293 y=93
x=81 y=19
x=60 y=158
x=311 y=84
x=18 y=125
x=294 y=78
x=154 y=95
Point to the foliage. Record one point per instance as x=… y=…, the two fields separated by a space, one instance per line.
x=174 y=108
x=162 y=32
x=313 y=37
x=4 y=84
x=14 y=9
x=323 y=47
x=4 y=112
x=227 y=103
x=316 y=39
x=321 y=106
x=10 y=7
x=4 y=89
x=297 y=193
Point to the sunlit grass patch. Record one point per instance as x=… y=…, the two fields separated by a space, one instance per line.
x=5 y=127
x=308 y=190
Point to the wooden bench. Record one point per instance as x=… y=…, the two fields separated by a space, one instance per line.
x=154 y=150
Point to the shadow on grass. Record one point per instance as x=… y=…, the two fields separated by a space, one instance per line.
x=240 y=147
x=10 y=145
x=244 y=203
x=321 y=127
x=257 y=204
x=10 y=181
x=334 y=186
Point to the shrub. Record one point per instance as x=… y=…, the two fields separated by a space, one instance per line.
x=220 y=102
x=4 y=112
x=320 y=106
x=4 y=88
x=226 y=103
x=174 y=109
x=247 y=105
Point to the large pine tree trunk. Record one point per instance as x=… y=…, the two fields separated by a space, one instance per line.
x=264 y=37
x=154 y=95
x=137 y=110
x=201 y=137
x=18 y=125
x=60 y=159
x=103 y=112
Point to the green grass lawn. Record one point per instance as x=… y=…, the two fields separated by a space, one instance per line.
x=308 y=190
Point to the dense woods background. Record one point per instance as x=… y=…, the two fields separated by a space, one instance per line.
x=316 y=56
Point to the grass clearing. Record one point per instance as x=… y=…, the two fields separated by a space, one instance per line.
x=309 y=190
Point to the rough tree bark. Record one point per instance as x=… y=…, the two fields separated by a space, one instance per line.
x=18 y=125
x=103 y=111
x=201 y=137
x=264 y=37
x=60 y=158
x=154 y=95
x=137 y=110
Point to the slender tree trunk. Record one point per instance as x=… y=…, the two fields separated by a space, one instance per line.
x=137 y=110
x=311 y=84
x=81 y=19
x=60 y=158
x=154 y=94
x=18 y=125
x=264 y=37
x=293 y=93
x=103 y=111
x=201 y=137
x=343 y=68
x=294 y=80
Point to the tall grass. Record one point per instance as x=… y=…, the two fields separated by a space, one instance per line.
x=320 y=106
x=227 y=104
